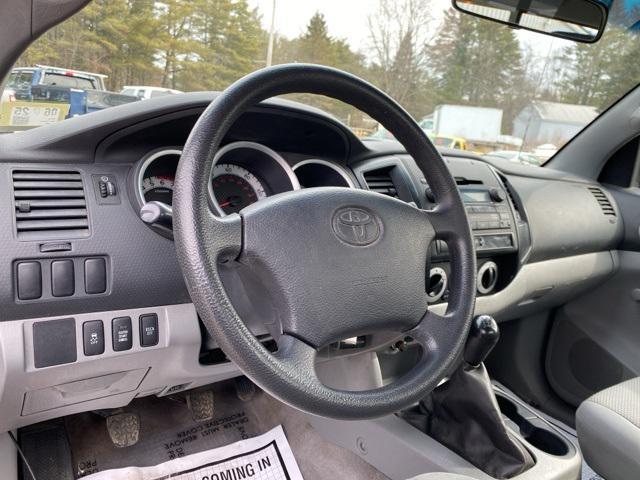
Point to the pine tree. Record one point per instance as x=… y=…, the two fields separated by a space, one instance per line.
x=478 y=63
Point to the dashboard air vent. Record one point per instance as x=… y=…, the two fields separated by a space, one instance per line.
x=380 y=181
x=512 y=197
x=49 y=205
x=603 y=201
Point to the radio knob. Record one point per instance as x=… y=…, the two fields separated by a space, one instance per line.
x=497 y=195
x=428 y=193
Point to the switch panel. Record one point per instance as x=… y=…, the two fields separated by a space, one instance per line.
x=148 y=330
x=93 y=337
x=40 y=280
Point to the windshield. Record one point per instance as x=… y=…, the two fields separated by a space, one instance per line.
x=470 y=83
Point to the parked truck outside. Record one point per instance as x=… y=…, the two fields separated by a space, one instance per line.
x=43 y=94
x=474 y=124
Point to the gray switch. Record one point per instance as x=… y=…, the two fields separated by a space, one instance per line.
x=29 y=280
x=63 y=281
x=93 y=337
x=148 y=330
x=95 y=275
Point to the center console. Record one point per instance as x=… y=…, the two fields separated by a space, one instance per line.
x=494 y=218
x=466 y=426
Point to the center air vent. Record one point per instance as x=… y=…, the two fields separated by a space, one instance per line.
x=49 y=205
x=380 y=181
x=603 y=201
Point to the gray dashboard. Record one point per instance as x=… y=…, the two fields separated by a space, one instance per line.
x=544 y=264
x=142 y=266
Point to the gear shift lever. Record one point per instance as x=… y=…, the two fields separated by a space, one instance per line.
x=463 y=413
x=483 y=336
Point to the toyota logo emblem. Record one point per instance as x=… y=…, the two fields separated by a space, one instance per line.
x=356 y=226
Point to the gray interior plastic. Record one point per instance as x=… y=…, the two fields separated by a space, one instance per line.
x=594 y=343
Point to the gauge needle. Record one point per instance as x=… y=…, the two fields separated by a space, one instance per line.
x=230 y=202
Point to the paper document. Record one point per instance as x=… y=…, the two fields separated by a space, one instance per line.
x=267 y=457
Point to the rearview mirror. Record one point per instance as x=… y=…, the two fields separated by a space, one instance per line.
x=578 y=20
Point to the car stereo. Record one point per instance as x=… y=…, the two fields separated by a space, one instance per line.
x=490 y=217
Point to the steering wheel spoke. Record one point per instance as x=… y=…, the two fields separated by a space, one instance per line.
x=224 y=243
x=297 y=355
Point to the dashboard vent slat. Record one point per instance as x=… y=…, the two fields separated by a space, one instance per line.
x=49 y=205
x=47 y=176
x=603 y=201
x=380 y=181
x=55 y=184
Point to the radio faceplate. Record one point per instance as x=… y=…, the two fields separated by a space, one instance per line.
x=490 y=218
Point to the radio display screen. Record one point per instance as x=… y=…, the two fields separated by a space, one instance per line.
x=473 y=196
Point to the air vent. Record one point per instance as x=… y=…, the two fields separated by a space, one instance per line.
x=512 y=197
x=603 y=201
x=467 y=181
x=49 y=205
x=380 y=181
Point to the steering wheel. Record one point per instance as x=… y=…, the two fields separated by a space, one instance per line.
x=334 y=262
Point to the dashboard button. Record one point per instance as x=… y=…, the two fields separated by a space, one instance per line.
x=95 y=275
x=121 y=336
x=29 y=280
x=62 y=278
x=93 y=337
x=148 y=330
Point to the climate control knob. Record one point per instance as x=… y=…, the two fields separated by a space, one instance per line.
x=497 y=195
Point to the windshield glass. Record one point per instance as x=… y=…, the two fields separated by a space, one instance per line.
x=470 y=83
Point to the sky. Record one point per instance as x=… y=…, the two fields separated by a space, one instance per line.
x=348 y=19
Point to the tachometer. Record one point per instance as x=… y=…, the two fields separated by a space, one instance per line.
x=235 y=187
x=158 y=188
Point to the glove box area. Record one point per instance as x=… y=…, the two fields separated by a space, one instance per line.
x=65 y=394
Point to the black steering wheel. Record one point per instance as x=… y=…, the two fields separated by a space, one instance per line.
x=334 y=262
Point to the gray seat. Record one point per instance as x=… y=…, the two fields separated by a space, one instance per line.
x=608 y=425
x=441 y=476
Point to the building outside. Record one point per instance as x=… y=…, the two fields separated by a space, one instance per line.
x=551 y=122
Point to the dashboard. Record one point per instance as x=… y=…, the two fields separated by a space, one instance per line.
x=82 y=261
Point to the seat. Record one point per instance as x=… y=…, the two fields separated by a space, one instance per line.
x=441 y=476
x=608 y=425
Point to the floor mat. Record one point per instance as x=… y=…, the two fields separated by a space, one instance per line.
x=167 y=431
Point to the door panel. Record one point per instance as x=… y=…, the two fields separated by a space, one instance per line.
x=595 y=339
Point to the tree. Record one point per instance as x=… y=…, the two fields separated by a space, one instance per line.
x=225 y=43
x=399 y=36
x=479 y=63
x=316 y=45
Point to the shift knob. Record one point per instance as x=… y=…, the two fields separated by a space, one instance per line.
x=483 y=336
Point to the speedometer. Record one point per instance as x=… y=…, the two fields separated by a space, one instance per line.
x=235 y=187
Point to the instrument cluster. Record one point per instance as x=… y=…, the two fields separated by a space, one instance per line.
x=243 y=173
